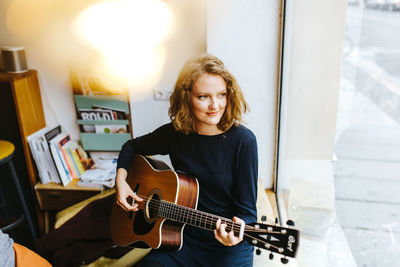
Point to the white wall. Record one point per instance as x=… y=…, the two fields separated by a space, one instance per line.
x=42 y=39
x=45 y=33
x=244 y=34
x=188 y=40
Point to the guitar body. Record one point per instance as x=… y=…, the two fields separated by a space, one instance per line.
x=155 y=181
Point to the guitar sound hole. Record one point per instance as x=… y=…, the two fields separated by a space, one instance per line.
x=140 y=224
x=153 y=205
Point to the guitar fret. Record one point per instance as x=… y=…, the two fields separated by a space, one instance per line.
x=193 y=217
x=172 y=212
x=200 y=220
x=168 y=212
x=163 y=210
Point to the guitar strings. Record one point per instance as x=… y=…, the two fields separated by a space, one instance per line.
x=191 y=215
x=210 y=219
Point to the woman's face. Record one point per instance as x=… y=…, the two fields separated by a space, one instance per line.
x=208 y=102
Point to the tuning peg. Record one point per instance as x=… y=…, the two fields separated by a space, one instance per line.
x=290 y=222
x=263 y=218
x=284 y=260
x=258 y=251
x=271 y=256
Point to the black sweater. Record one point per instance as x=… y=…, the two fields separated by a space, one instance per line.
x=225 y=165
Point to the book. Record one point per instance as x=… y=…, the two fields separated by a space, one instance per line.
x=35 y=150
x=62 y=143
x=84 y=157
x=112 y=128
x=96 y=114
x=41 y=154
x=75 y=157
x=53 y=133
x=59 y=156
x=47 y=161
x=119 y=114
x=65 y=176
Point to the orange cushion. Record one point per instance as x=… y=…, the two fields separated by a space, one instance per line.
x=26 y=257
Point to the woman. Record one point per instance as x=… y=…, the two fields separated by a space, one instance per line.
x=206 y=140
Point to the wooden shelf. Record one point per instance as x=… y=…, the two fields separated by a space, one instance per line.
x=73 y=185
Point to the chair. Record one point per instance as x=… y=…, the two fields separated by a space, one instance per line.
x=6 y=154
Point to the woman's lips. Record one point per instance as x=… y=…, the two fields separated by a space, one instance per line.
x=212 y=113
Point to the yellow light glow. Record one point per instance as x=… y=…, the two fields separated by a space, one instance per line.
x=128 y=34
x=29 y=18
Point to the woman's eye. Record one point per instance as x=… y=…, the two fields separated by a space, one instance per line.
x=222 y=95
x=201 y=97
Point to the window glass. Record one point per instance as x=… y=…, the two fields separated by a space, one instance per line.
x=367 y=147
x=345 y=200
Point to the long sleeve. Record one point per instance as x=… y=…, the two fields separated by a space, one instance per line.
x=149 y=144
x=245 y=185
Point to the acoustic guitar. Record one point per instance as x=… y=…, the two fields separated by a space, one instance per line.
x=170 y=202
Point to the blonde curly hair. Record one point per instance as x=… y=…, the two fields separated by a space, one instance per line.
x=179 y=110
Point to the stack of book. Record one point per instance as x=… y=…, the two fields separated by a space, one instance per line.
x=58 y=158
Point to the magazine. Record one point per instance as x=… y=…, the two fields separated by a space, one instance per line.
x=41 y=154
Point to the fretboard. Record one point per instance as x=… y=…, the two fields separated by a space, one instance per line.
x=194 y=217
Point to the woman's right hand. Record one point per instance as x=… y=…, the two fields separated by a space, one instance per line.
x=124 y=192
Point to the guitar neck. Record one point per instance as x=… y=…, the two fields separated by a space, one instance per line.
x=194 y=217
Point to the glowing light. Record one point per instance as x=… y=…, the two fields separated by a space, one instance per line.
x=28 y=18
x=128 y=34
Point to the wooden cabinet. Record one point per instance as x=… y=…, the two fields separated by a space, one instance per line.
x=54 y=197
x=20 y=96
x=21 y=114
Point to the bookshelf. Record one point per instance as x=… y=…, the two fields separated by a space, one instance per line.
x=21 y=114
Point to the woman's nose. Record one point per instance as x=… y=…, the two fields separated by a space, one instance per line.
x=213 y=103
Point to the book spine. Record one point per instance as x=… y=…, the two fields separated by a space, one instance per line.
x=35 y=154
x=43 y=173
x=66 y=160
x=51 y=168
x=77 y=160
x=62 y=171
x=71 y=158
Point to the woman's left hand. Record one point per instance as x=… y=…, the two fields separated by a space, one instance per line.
x=225 y=238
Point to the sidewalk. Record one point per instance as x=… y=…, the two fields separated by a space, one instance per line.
x=367 y=178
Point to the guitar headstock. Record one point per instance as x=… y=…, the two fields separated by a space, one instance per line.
x=281 y=240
